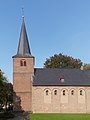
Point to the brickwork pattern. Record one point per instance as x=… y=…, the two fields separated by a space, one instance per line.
x=60 y=103
x=22 y=84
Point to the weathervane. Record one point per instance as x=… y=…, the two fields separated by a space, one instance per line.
x=22 y=12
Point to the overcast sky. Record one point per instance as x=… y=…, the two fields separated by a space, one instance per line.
x=53 y=27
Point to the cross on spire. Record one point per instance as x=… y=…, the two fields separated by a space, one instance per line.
x=22 y=11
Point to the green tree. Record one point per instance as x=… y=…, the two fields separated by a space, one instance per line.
x=86 y=67
x=62 y=61
x=6 y=90
x=6 y=95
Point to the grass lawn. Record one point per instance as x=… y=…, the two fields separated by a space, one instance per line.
x=59 y=116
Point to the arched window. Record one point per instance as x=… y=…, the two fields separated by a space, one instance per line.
x=55 y=92
x=63 y=92
x=47 y=92
x=81 y=92
x=72 y=92
x=23 y=62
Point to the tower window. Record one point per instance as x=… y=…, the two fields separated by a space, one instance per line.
x=23 y=62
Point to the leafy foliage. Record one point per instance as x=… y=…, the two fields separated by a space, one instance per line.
x=6 y=90
x=86 y=67
x=62 y=61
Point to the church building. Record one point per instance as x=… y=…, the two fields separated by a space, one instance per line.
x=47 y=90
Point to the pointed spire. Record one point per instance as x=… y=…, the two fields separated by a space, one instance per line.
x=23 y=48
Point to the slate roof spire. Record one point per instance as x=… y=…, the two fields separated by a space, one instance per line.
x=23 y=47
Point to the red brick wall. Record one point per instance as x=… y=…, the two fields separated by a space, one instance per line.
x=22 y=84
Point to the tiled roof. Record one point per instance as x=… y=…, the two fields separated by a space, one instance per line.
x=51 y=77
x=23 y=47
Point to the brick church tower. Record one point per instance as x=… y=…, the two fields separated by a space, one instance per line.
x=23 y=70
